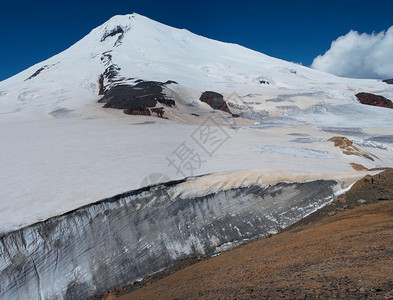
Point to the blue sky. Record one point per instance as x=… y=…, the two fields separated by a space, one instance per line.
x=298 y=31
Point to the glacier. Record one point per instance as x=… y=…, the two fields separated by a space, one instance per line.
x=119 y=240
x=56 y=135
x=266 y=168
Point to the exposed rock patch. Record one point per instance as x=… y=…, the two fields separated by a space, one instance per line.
x=37 y=72
x=373 y=188
x=264 y=80
x=131 y=97
x=347 y=147
x=215 y=101
x=109 y=75
x=167 y=102
x=159 y=111
x=138 y=111
x=118 y=30
x=388 y=81
x=134 y=96
x=137 y=99
x=358 y=167
x=374 y=100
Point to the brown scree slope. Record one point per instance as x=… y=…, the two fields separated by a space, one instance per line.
x=337 y=252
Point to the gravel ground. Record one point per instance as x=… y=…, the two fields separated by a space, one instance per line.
x=344 y=251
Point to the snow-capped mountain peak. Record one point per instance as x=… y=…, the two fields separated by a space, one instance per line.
x=138 y=48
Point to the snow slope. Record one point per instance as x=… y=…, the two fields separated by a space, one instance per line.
x=152 y=51
x=60 y=149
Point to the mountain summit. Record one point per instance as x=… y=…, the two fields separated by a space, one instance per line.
x=129 y=48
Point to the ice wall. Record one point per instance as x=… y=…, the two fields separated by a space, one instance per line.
x=119 y=240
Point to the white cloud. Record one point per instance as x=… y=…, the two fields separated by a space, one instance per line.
x=359 y=55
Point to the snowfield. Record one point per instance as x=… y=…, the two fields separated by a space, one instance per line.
x=60 y=149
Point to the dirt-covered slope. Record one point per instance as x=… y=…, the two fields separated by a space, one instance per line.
x=340 y=252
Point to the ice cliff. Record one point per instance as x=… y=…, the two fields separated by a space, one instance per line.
x=121 y=239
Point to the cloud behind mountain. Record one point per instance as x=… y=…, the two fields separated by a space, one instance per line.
x=359 y=55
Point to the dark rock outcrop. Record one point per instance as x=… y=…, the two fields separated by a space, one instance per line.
x=119 y=240
x=37 y=72
x=140 y=111
x=388 y=81
x=374 y=100
x=110 y=74
x=159 y=111
x=113 y=32
x=131 y=97
x=134 y=99
x=145 y=111
x=118 y=30
x=167 y=102
x=215 y=100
